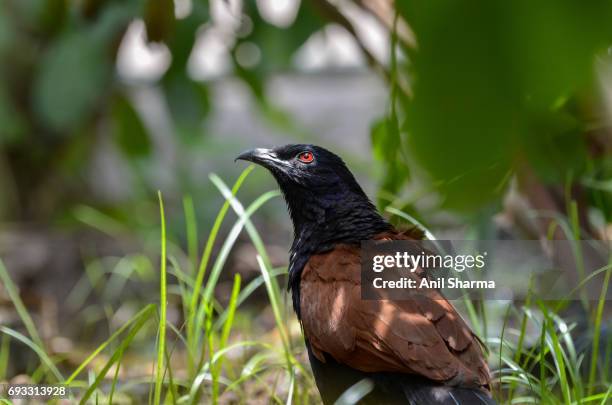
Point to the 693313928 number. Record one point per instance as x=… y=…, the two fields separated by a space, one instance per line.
x=33 y=391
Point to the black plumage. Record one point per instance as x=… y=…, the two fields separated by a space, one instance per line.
x=326 y=204
x=413 y=352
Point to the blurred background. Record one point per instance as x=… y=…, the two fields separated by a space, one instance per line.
x=103 y=103
x=481 y=121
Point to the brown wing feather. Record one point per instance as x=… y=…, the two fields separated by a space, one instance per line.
x=424 y=336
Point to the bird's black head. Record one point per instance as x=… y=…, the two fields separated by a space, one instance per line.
x=326 y=204
x=305 y=169
x=320 y=191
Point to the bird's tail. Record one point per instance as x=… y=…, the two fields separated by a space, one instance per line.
x=444 y=395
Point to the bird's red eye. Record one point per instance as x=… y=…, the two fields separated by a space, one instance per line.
x=306 y=157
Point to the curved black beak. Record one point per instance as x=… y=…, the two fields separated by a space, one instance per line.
x=259 y=156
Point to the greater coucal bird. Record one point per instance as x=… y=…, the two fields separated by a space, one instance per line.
x=417 y=351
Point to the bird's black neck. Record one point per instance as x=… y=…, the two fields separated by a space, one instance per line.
x=322 y=221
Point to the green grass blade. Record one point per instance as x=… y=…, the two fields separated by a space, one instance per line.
x=552 y=340
x=607 y=396
x=161 y=347
x=4 y=356
x=191 y=225
x=227 y=326
x=143 y=313
x=184 y=281
x=597 y=331
x=115 y=357
x=172 y=393
x=522 y=333
x=231 y=310
x=203 y=372
x=225 y=250
x=247 y=291
x=502 y=341
x=273 y=295
x=115 y=377
x=25 y=317
x=265 y=266
x=291 y=389
x=542 y=359
x=428 y=234
x=42 y=355
x=580 y=285
x=192 y=325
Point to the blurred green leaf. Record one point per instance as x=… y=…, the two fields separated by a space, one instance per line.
x=75 y=71
x=130 y=132
x=185 y=33
x=187 y=99
x=53 y=15
x=554 y=146
x=111 y=24
x=385 y=138
x=188 y=103
x=12 y=123
x=90 y=8
x=41 y=16
x=7 y=31
x=488 y=77
x=73 y=76
x=599 y=186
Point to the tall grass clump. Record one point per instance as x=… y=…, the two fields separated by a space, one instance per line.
x=202 y=342
x=214 y=353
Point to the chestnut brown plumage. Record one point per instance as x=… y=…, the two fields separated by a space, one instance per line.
x=416 y=351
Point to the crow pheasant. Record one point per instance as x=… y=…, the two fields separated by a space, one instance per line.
x=412 y=351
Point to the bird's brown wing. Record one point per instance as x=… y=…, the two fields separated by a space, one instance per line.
x=423 y=336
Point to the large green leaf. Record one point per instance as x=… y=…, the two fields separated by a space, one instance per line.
x=73 y=75
x=75 y=71
x=491 y=80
